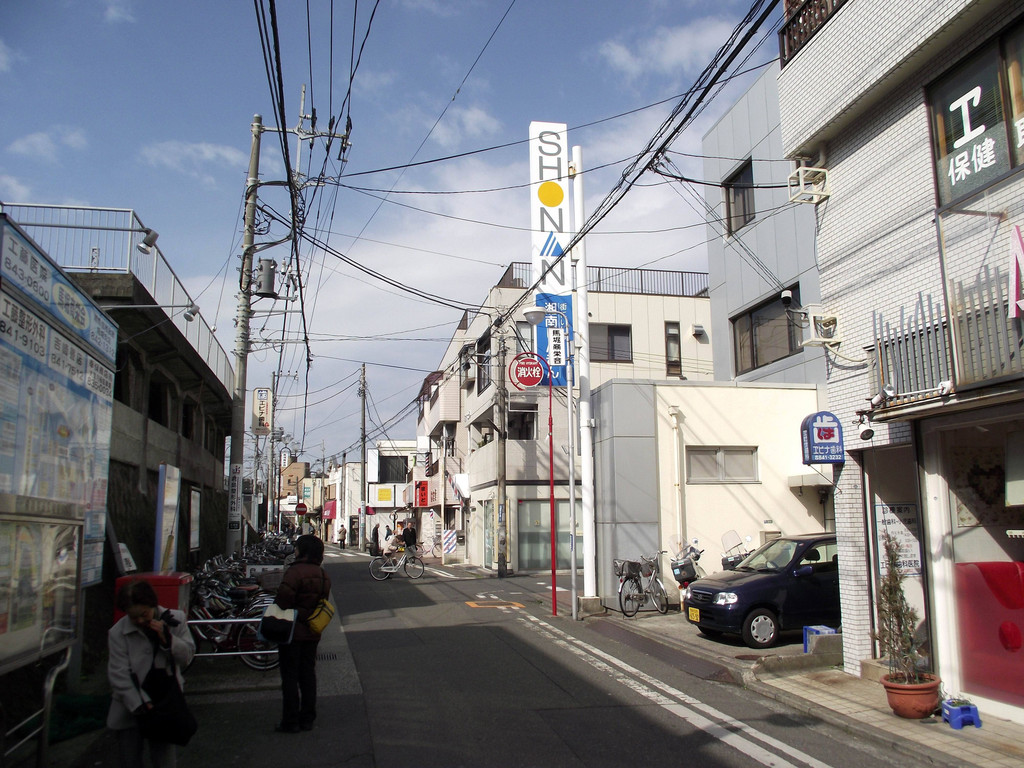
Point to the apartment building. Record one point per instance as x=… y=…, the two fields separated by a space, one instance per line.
x=644 y=324
x=912 y=115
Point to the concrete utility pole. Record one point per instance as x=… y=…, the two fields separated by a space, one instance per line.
x=234 y=537
x=362 y=476
x=586 y=421
x=502 y=406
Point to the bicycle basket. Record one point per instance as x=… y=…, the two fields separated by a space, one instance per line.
x=626 y=568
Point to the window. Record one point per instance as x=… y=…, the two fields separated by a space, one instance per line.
x=673 y=354
x=977 y=116
x=522 y=421
x=393 y=469
x=483 y=364
x=721 y=465
x=765 y=334
x=611 y=344
x=524 y=337
x=739 y=198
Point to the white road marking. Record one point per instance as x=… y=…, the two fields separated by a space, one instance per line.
x=698 y=714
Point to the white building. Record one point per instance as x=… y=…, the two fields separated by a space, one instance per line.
x=914 y=110
x=644 y=324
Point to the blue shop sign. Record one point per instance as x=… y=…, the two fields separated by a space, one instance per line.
x=821 y=436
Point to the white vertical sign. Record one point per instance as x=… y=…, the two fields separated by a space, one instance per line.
x=549 y=206
x=262 y=415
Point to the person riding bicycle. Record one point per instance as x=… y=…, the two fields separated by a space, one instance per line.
x=394 y=542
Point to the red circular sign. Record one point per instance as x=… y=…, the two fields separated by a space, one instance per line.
x=527 y=370
x=300 y=508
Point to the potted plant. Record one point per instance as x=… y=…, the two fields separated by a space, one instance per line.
x=911 y=692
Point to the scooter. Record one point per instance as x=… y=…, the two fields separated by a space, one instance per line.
x=735 y=552
x=685 y=565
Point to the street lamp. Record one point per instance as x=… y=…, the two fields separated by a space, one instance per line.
x=535 y=316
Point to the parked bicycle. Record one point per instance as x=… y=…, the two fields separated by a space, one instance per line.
x=429 y=546
x=640 y=582
x=383 y=566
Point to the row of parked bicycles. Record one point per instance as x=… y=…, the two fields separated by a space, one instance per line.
x=229 y=595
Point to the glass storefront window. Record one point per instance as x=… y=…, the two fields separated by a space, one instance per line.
x=983 y=463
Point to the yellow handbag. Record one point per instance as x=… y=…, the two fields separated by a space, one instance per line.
x=321 y=616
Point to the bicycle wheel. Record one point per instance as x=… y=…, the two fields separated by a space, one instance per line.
x=435 y=550
x=659 y=596
x=413 y=567
x=630 y=596
x=248 y=640
x=377 y=569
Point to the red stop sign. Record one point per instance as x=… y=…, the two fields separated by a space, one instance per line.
x=527 y=371
x=300 y=508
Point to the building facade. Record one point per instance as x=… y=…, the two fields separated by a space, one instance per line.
x=915 y=114
x=646 y=324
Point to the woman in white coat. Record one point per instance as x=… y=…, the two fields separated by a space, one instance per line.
x=146 y=636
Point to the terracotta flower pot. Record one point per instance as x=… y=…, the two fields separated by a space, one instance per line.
x=914 y=701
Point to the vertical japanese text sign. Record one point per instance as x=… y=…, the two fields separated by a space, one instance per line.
x=549 y=225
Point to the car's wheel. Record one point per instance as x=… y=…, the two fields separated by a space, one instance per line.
x=760 y=629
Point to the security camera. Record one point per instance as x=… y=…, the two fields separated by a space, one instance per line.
x=787 y=298
x=866 y=431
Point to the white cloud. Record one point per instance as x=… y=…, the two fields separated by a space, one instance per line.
x=118 y=10
x=46 y=145
x=194 y=160
x=459 y=123
x=6 y=57
x=669 y=50
x=12 y=189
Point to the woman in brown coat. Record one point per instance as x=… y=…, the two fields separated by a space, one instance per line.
x=304 y=584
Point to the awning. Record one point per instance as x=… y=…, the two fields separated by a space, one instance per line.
x=330 y=509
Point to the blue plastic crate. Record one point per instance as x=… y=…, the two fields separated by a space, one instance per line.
x=816 y=629
x=959 y=715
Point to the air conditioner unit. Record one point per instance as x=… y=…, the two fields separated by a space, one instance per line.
x=808 y=185
x=822 y=329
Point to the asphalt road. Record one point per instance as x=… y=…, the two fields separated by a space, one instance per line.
x=459 y=670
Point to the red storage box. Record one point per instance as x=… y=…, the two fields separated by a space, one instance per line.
x=173 y=590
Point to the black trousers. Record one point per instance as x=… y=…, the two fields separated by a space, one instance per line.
x=298 y=682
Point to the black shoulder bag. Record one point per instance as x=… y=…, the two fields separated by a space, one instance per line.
x=168 y=720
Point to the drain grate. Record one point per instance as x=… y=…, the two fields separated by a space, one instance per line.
x=327 y=657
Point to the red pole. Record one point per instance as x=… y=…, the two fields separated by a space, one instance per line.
x=551 y=472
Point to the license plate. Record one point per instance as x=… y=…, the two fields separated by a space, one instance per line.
x=693 y=614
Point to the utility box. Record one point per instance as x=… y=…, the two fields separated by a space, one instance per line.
x=173 y=590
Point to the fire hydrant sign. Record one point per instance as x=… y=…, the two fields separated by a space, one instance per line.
x=526 y=370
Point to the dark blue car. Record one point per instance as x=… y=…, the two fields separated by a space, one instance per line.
x=789 y=583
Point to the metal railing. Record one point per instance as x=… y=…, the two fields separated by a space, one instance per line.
x=646 y=282
x=104 y=240
x=913 y=352
x=803 y=20
x=988 y=342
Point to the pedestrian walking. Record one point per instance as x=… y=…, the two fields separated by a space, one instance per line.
x=147 y=639
x=304 y=584
x=342 y=534
x=375 y=540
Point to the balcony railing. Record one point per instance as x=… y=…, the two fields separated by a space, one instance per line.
x=646 y=282
x=987 y=340
x=975 y=343
x=105 y=240
x=803 y=20
x=913 y=353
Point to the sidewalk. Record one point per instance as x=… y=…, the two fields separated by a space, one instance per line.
x=855 y=704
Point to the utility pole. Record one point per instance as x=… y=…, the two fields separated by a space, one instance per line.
x=586 y=422
x=502 y=406
x=234 y=536
x=362 y=476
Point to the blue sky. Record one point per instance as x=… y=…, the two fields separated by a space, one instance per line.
x=147 y=106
